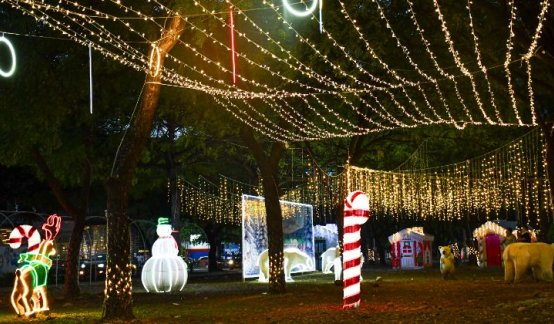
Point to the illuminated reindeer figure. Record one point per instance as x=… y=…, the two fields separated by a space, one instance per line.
x=29 y=291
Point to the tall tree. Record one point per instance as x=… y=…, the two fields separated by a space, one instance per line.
x=268 y=162
x=118 y=292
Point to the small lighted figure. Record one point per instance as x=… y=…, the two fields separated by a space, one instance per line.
x=29 y=289
x=165 y=271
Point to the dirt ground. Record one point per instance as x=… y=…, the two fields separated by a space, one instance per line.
x=421 y=296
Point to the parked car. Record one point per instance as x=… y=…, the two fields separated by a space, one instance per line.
x=229 y=263
x=201 y=264
x=94 y=269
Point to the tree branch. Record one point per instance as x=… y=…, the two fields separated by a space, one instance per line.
x=54 y=183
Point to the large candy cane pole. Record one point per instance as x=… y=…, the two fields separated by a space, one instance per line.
x=356 y=212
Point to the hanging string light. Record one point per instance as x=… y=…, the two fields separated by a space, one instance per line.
x=381 y=100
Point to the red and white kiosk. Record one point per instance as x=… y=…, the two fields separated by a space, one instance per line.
x=490 y=237
x=411 y=248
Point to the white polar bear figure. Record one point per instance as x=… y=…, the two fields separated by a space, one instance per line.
x=518 y=257
x=293 y=258
x=330 y=259
x=337 y=266
x=447 y=262
x=327 y=259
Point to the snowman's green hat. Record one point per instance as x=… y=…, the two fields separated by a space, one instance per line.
x=163 y=221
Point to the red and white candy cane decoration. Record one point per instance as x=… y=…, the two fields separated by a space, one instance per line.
x=25 y=231
x=356 y=212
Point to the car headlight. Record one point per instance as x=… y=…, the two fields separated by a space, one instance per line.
x=101 y=265
x=81 y=272
x=82 y=266
x=231 y=262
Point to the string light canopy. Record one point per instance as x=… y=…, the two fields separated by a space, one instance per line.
x=510 y=180
x=381 y=92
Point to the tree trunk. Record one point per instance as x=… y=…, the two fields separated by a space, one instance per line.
x=118 y=291
x=269 y=167
x=71 y=278
x=274 y=234
x=174 y=196
x=213 y=232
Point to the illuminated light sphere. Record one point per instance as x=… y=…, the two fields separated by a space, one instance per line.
x=300 y=13
x=165 y=271
x=11 y=71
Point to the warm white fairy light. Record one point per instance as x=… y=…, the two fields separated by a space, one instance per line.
x=480 y=63
x=431 y=55
x=407 y=54
x=510 y=46
x=249 y=120
x=291 y=60
x=302 y=68
x=239 y=54
x=337 y=115
x=390 y=71
x=385 y=114
x=314 y=48
x=309 y=124
x=311 y=130
x=356 y=62
x=530 y=52
x=509 y=178
x=186 y=83
x=85 y=25
x=459 y=62
x=357 y=111
x=278 y=129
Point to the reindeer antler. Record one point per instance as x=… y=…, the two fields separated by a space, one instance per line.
x=52 y=227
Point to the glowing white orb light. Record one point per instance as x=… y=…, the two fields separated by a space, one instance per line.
x=300 y=13
x=11 y=71
x=165 y=271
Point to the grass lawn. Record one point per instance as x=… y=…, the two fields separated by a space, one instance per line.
x=477 y=295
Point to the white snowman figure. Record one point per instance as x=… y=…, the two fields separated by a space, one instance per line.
x=165 y=271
